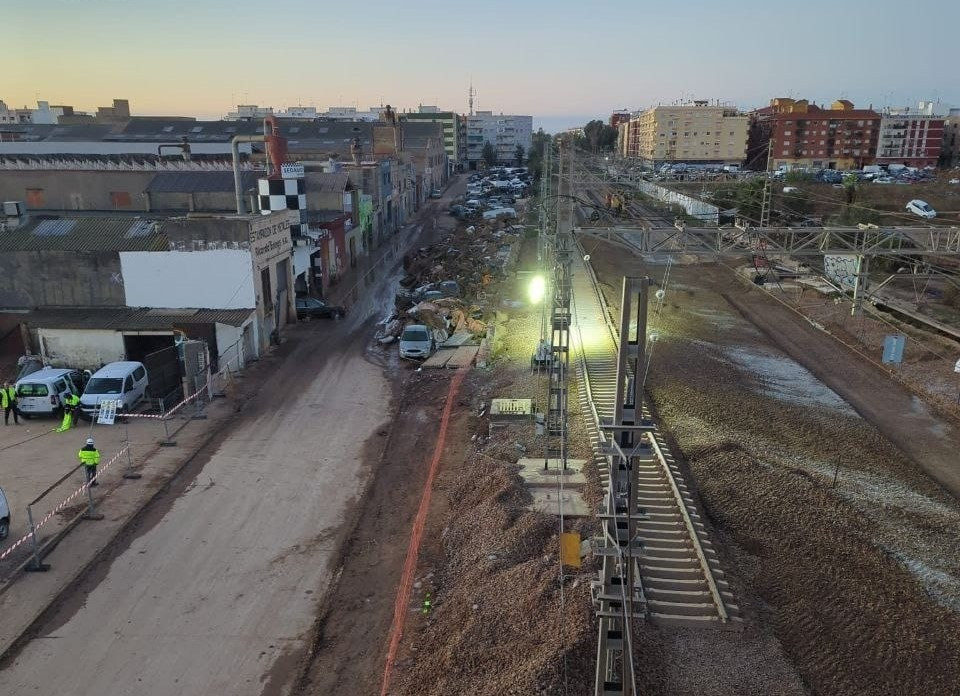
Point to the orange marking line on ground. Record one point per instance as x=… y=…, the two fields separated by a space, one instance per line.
x=413 y=550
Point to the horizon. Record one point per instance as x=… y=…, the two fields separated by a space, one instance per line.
x=97 y=52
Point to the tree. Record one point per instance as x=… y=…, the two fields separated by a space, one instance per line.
x=598 y=136
x=535 y=156
x=519 y=155
x=489 y=154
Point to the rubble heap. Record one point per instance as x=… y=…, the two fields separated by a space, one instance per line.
x=496 y=626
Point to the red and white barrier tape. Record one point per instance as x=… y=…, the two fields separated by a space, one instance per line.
x=49 y=516
x=168 y=411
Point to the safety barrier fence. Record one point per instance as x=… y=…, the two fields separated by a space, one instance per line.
x=35 y=526
x=205 y=388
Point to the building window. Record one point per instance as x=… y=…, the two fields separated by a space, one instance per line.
x=265 y=290
x=788 y=132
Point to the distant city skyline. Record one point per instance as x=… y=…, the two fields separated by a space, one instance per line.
x=558 y=65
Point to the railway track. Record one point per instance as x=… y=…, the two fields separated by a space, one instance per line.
x=680 y=573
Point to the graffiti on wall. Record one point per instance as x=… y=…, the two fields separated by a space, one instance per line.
x=841 y=269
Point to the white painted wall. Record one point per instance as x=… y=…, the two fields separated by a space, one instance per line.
x=301 y=258
x=80 y=348
x=219 y=279
x=229 y=346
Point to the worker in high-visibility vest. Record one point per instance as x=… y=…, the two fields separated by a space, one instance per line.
x=90 y=457
x=70 y=405
x=8 y=402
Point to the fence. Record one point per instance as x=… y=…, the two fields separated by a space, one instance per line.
x=76 y=501
x=693 y=206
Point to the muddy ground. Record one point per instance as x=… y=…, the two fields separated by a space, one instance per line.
x=858 y=580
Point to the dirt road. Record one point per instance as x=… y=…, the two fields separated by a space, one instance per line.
x=216 y=590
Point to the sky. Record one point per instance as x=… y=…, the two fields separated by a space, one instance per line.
x=562 y=62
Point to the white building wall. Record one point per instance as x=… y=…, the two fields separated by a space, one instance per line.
x=80 y=348
x=218 y=279
x=230 y=348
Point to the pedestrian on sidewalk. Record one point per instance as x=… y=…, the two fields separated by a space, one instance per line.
x=8 y=401
x=90 y=458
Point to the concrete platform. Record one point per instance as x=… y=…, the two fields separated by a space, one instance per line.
x=439 y=359
x=548 y=502
x=534 y=475
x=543 y=486
x=463 y=357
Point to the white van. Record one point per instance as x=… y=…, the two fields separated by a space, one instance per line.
x=126 y=381
x=43 y=392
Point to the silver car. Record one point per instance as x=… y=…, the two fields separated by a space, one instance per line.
x=416 y=343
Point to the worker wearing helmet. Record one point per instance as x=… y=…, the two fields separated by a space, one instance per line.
x=90 y=457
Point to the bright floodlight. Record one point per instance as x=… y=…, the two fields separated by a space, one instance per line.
x=586 y=257
x=537 y=289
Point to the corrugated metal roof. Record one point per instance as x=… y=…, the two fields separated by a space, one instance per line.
x=85 y=234
x=199 y=182
x=327 y=182
x=130 y=318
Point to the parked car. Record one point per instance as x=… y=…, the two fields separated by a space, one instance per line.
x=43 y=392
x=416 y=342
x=317 y=309
x=123 y=381
x=4 y=516
x=436 y=194
x=921 y=208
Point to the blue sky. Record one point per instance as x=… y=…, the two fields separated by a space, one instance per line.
x=564 y=62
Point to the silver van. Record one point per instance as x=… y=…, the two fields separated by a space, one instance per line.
x=42 y=393
x=123 y=381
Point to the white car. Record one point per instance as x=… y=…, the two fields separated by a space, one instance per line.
x=44 y=392
x=4 y=516
x=416 y=342
x=123 y=381
x=921 y=208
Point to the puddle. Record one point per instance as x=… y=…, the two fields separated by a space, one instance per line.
x=786 y=380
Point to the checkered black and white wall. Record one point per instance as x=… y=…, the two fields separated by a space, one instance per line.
x=283 y=194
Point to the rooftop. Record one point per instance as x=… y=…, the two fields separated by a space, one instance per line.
x=84 y=234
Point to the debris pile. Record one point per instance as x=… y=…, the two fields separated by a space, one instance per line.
x=495 y=625
x=446 y=284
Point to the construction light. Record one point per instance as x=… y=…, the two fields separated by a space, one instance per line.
x=537 y=289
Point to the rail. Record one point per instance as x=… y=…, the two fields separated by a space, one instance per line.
x=658 y=446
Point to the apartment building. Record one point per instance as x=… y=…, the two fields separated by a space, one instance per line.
x=454 y=130
x=799 y=134
x=950 y=153
x=695 y=133
x=913 y=137
x=502 y=131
